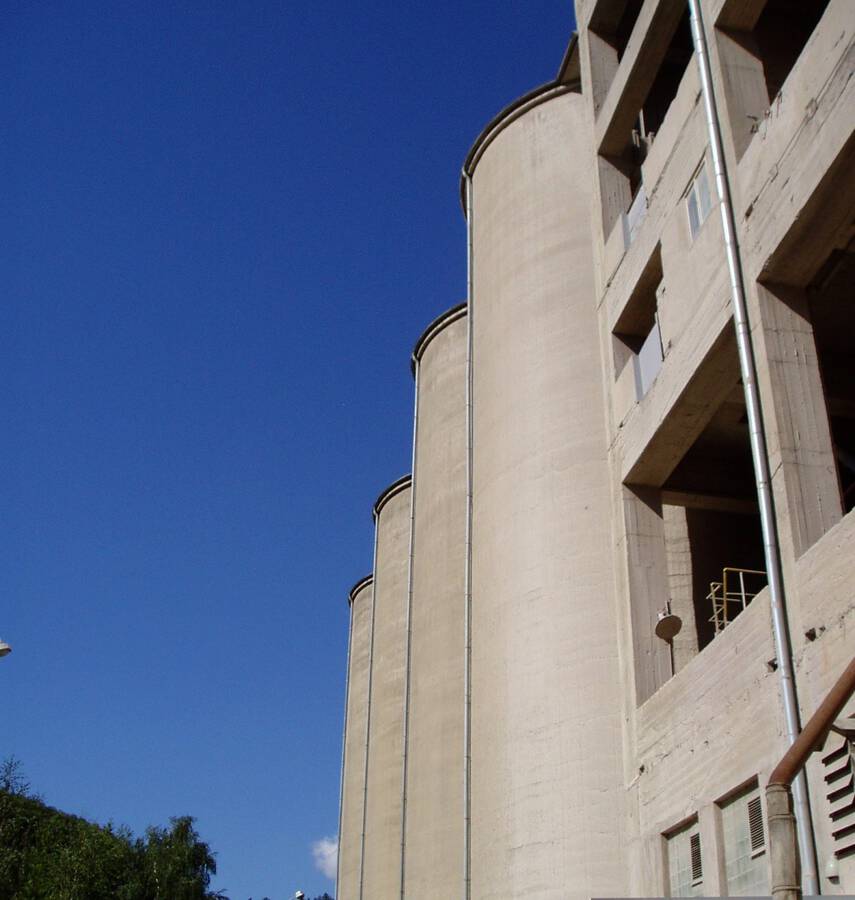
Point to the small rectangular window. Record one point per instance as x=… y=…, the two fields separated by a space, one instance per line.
x=697 y=868
x=745 y=862
x=685 y=863
x=755 y=826
x=698 y=200
x=648 y=361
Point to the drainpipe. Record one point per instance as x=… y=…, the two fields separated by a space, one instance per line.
x=782 y=831
x=344 y=739
x=759 y=452
x=368 y=716
x=409 y=631
x=467 y=609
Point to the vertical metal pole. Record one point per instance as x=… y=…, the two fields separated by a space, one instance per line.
x=409 y=630
x=344 y=740
x=368 y=718
x=467 y=611
x=759 y=451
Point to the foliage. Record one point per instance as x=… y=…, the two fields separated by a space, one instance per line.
x=46 y=853
x=12 y=779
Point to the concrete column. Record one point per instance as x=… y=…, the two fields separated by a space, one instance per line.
x=648 y=587
x=433 y=839
x=603 y=62
x=546 y=802
x=745 y=96
x=381 y=874
x=712 y=849
x=355 y=736
x=678 y=555
x=801 y=455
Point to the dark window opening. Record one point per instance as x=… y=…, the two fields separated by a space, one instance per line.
x=668 y=78
x=832 y=310
x=720 y=543
x=650 y=117
x=637 y=339
x=614 y=23
x=781 y=32
x=625 y=26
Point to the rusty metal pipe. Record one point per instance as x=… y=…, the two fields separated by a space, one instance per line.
x=783 y=846
x=816 y=730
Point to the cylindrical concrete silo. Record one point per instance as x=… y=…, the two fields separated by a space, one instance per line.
x=433 y=838
x=545 y=700
x=381 y=866
x=355 y=741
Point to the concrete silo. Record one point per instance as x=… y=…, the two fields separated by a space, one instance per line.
x=381 y=864
x=434 y=826
x=355 y=740
x=545 y=721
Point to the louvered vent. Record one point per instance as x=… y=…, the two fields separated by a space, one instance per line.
x=755 y=826
x=840 y=790
x=697 y=867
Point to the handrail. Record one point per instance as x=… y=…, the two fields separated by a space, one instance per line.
x=783 y=846
x=720 y=595
x=814 y=733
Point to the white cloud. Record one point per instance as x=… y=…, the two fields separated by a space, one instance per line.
x=325 y=852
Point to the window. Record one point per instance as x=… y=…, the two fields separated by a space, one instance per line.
x=637 y=339
x=746 y=866
x=648 y=360
x=779 y=45
x=698 y=200
x=685 y=865
x=632 y=127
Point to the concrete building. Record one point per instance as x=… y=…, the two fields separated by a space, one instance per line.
x=621 y=578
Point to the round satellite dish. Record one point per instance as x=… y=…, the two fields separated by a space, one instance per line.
x=668 y=626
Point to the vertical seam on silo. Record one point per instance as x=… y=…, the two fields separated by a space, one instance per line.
x=467 y=610
x=368 y=713
x=344 y=741
x=408 y=634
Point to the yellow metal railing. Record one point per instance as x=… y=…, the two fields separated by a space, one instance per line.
x=737 y=588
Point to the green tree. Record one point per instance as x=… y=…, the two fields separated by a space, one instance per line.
x=178 y=865
x=46 y=854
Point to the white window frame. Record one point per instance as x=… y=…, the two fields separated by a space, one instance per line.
x=745 y=839
x=679 y=844
x=699 y=194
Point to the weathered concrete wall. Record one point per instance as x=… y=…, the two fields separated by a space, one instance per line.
x=708 y=730
x=827 y=607
x=580 y=533
x=434 y=794
x=383 y=813
x=355 y=734
x=719 y=723
x=546 y=754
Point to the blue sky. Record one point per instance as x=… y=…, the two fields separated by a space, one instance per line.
x=223 y=227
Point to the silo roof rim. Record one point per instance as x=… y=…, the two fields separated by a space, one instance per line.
x=570 y=70
x=567 y=81
x=363 y=582
x=436 y=326
x=388 y=493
